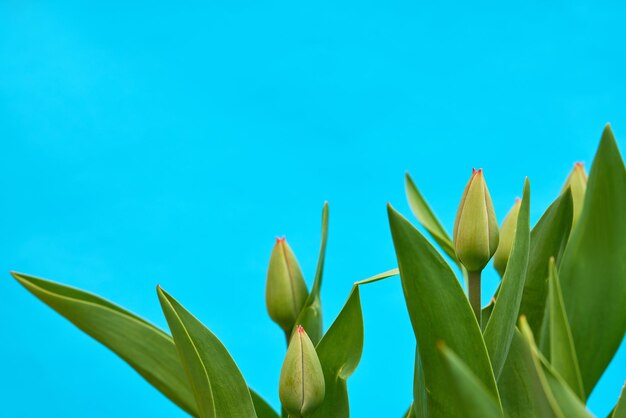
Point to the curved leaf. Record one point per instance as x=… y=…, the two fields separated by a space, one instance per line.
x=427 y=218
x=433 y=295
x=620 y=409
x=262 y=408
x=217 y=384
x=562 y=352
x=501 y=326
x=310 y=316
x=593 y=270
x=547 y=239
x=143 y=346
x=339 y=352
x=379 y=276
x=476 y=400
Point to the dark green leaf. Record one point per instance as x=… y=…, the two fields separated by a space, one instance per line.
x=339 y=352
x=262 y=408
x=143 y=346
x=311 y=315
x=593 y=269
x=501 y=326
x=218 y=386
x=476 y=400
x=438 y=310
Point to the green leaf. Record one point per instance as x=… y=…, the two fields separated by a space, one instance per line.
x=147 y=349
x=520 y=387
x=379 y=276
x=565 y=403
x=339 y=352
x=501 y=326
x=562 y=352
x=438 y=310
x=620 y=408
x=217 y=384
x=593 y=269
x=262 y=408
x=427 y=218
x=310 y=316
x=547 y=239
x=475 y=398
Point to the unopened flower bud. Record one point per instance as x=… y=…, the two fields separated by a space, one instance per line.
x=301 y=387
x=285 y=290
x=476 y=227
x=507 y=235
x=577 y=182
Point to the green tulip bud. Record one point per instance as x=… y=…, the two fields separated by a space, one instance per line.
x=577 y=182
x=301 y=387
x=476 y=227
x=507 y=235
x=285 y=290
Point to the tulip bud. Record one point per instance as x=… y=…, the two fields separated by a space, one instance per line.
x=476 y=227
x=507 y=235
x=285 y=290
x=301 y=387
x=577 y=182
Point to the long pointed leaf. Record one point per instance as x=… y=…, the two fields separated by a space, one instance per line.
x=143 y=346
x=438 y=310
x=593 y=270
x=218 y=386
x=620 y=408
x=310 y=316
x=562 y=351
x=339 y=352
x=477 y=401
x=501 y=326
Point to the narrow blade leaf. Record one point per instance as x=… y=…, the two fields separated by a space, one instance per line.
x=218 y=386
x=433 y=295
x=501 y=326
x=593 y=270
x=620 y=408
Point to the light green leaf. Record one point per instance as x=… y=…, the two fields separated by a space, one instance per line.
x=427 y=218
x=562 y=352
x=143 y=346
x=310 y=316
x=547 y=239
x=620 y=409
x=476 y=400
x=501 y=326
x=433 y=296
x=565 y=403
x=593 y=269
x=339 y=352
x=379 y=276
x=217 y=384
x=520 y=387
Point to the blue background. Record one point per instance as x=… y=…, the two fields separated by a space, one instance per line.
x=155 y=143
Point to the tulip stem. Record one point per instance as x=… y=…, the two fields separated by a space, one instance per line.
x=474 y=293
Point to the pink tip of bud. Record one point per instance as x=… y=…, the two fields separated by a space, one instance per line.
x=473 y=171
x=300 y=329
x=579 y=165
x=280 y=239
x=517 y=200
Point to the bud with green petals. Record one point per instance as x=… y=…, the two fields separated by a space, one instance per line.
x=476 y=232
x=301 y=387
x=577 y=182
x=507 y=235
x=285 y=290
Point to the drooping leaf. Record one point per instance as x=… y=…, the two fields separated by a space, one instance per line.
x=339 y=352
x=311 y=315
x=562 y=351
x=147 y=349
x=438 y=310
x=521 y=390
x=620 y=409
x=427 y=218
x=217 y=384
x=564 y=402
x=547 y=239
x=476 y=400
x=501 y=326
x=593 y=269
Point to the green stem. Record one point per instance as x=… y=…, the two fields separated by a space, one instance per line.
x=474 y=293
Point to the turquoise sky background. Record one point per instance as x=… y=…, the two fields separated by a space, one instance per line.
x=156 y=142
